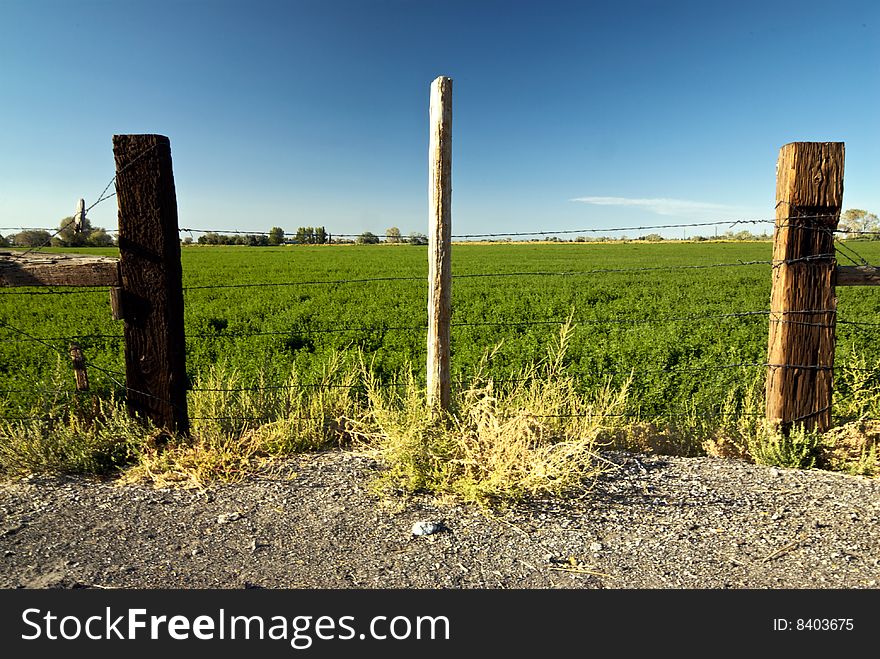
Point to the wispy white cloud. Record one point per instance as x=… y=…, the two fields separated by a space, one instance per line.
x=661 y=206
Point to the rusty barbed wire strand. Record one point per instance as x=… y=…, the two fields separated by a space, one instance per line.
x=297 y=332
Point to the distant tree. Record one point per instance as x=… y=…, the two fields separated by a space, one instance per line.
x=31 y=238
x=100 y=238
x=856 y=220
x=416 y=238
x=276 y=236
x=320 y=235
x=367 y=238
x=392 y=235
x=3 y=242
x=68 y=235
x=305 y=236
x=250 y=240
x=188 y=240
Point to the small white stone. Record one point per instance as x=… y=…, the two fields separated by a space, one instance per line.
x=596 y=546
x=228 y=517
x=774 y=471
x=426 y=528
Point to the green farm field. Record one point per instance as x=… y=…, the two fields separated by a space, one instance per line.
x=659 y=316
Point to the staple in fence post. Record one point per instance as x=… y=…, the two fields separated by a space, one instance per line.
x=439 y=244
x=151 y=281
x=800 y=354
x=79 y=367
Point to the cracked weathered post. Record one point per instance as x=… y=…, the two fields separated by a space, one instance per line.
x=151 y=281
x=439 y=244
x=800 y=355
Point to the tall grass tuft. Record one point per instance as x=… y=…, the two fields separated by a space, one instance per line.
x=534 y=435
x=237 y=429
x=88 y=436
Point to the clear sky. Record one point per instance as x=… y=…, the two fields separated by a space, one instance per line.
x=566 y=115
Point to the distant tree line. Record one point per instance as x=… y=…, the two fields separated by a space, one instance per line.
x=276 y=236
x=305 y=236
x=392 y=237
x=855 y=222
x=67 y=236
x=250 y=239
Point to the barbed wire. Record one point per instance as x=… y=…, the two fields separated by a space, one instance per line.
x=785 y=222
x=858 y=323
x=309 y=330
x=488 y=235
x=305 y=283
x=648 y=418
x=101 y=198
x=778 y=223
x=73 y=337
x=461 y=381
x=549 y=232
x=111 y=374
x=846 y=251
x=423 y=279
x=77 y=291
x=297 y=332
x=269 y=419
x=32 y=390
x=17 y=256
x=533 y=273
x=421 y=328
x=26 y=229
x=304 y=385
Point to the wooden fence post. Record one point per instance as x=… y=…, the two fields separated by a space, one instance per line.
x=79 y=367
x=439 y=243
x=151 y=281
x=800 y=355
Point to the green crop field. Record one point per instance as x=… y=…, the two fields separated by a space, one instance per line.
x=652 y=314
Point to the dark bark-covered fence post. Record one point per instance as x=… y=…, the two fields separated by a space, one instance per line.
x=151 y=281
x=809 y=193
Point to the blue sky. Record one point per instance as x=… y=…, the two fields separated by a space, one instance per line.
x=566 y=115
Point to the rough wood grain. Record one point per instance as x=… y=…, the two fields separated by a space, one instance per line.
x=79 y=367
x=116 y=310
x=857 y=275
x=151 y=281
x=439 y=243
x=19 y=269
x=809 y=192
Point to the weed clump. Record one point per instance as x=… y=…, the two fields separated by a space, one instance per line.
x=531 y=435
x=91 y=436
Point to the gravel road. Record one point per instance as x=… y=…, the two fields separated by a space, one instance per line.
x=651 y=522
